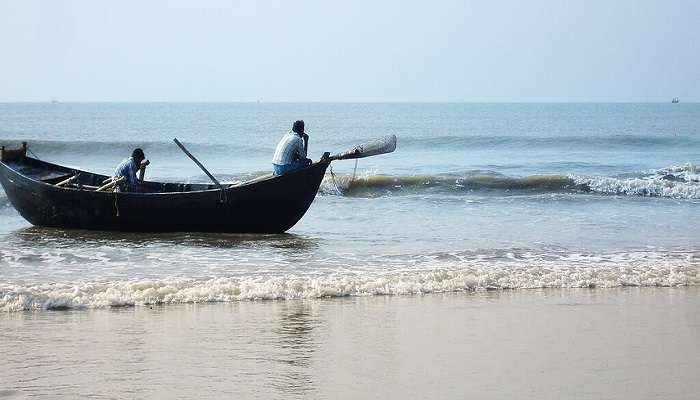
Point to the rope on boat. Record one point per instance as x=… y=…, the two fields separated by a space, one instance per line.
x=335 y=184
x=353 y=172
x=116 y=206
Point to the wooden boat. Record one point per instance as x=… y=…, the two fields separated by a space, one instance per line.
x=270 y=204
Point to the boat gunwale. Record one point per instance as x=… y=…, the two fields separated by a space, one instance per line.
x=250 y=183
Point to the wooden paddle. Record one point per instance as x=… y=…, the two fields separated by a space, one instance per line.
x=383 y=145
x=67 y=181
x=111 y=184
x=199 y=164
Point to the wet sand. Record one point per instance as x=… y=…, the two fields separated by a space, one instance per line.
x=629 y=343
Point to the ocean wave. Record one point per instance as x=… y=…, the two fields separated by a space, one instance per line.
x=681 y=182
x=444 y=279
x=371 y=185
x=48 y=148
x=565 y=141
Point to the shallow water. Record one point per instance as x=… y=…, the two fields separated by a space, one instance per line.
x=476 y=197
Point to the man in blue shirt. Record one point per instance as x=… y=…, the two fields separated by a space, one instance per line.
x=290 y=154
x=128 y=169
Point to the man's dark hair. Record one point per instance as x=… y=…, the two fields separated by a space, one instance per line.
x=138 y=154
x=298 y=126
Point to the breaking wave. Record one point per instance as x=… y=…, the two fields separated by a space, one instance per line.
x=681 y=182
x=378 y=185
x=573 y=272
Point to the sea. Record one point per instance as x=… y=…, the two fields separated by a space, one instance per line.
x=485 y=207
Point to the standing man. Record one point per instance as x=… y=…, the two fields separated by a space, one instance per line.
x=290 y=154
x=128 y=169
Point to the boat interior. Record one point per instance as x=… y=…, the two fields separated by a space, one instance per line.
x=61 y=176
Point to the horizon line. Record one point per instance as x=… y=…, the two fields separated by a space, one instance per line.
x=54 y=101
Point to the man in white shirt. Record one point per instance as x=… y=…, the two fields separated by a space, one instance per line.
x=290 y=154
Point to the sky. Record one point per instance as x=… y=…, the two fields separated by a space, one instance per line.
x=350 y=51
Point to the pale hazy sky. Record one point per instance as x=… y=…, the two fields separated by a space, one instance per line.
x=409 y=50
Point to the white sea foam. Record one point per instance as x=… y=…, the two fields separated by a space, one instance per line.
x=576 y=271
x=641 y=187
x=681 y=182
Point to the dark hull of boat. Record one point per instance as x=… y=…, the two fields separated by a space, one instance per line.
x=270 y=205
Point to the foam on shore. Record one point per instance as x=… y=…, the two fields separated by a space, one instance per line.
x=447 y=278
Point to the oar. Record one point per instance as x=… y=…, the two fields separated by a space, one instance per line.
x=383 y=145
x=111 y=184
x=67 y=181
x=199 y=164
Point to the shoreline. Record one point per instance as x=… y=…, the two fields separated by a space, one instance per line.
x=174 y=292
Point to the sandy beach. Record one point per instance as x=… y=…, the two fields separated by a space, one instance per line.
x=641 y=343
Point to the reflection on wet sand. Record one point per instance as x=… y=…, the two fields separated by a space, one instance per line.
x=295 y=344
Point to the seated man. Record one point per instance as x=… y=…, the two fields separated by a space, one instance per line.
x=290 y=154
x=128 y=169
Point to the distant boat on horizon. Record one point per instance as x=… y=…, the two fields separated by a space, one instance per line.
x=674 y=100
x=54 y=101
